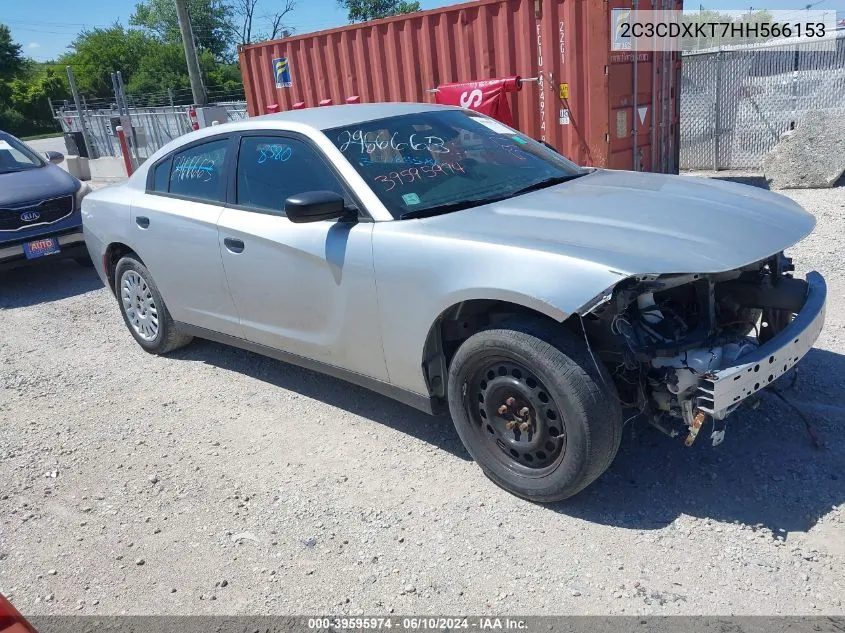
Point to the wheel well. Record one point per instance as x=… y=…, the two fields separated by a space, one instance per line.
x=455 y=325
x=113 y=253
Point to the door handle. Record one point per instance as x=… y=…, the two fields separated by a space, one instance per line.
x=142 y=221
x=234 y=245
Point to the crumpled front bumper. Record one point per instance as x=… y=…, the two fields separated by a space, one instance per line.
x=721 y=391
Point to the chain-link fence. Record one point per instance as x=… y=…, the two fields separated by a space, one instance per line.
x=152 y=128
x=736 y=104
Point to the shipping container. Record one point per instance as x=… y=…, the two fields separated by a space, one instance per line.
x=597 y=106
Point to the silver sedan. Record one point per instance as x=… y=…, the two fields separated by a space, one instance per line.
x=441 y=258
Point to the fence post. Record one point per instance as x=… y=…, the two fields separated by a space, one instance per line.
x=127 y=159
x=132 y=136
x=717 y=118
x=72 y=80
x=116 y=95
x=121 y=93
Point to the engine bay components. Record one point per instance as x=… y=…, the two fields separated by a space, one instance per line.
x=693 y=347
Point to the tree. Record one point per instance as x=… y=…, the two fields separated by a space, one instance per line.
x=97 y=53
x=278 y=28
x=11 y=61
x=25 y=86
x=31 y=93
x=245 y=9
x=211 y=21
x=162 y=67
x=363 y=10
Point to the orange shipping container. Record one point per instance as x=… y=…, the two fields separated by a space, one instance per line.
x=597 y=106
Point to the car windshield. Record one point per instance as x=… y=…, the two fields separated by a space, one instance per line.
x=446 y=160
x=15 y=156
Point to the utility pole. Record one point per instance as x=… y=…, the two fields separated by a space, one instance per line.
x=197 y=88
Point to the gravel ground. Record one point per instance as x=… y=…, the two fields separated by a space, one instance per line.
x=215 y=481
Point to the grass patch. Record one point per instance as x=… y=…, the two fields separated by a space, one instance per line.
x=40 y=136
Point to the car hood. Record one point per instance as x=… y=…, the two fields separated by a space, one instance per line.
x=34 y=185
x=638 y=223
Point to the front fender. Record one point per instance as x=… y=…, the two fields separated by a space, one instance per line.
x=420 y=276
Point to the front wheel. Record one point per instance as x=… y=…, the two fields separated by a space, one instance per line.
x=542 y=420
x=143 y=308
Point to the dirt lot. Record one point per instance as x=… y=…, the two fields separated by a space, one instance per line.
x=218 y=481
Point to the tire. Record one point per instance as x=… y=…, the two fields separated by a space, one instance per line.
x=84 y=261
x=574 y=415
x=144 y=311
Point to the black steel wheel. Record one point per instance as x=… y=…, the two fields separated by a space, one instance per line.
x=516 y=413
x=540 y=418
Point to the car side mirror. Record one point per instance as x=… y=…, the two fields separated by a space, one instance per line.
x=315 y=206
x=54 y=157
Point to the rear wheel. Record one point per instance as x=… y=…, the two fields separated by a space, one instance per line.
x=144 y=310
x=533 y=410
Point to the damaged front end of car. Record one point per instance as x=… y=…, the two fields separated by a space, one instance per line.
x=685 y=348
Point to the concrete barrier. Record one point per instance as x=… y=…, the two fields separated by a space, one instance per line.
x=78 y=167
x=103 y=169
x=108 y=168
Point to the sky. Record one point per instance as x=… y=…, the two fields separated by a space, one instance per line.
x=45 y=28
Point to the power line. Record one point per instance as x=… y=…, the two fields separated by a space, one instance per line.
x=46 y=23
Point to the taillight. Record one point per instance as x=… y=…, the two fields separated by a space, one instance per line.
x=11 y=621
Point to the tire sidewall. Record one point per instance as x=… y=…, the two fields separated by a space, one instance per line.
x=128 y=264
x=568 y=471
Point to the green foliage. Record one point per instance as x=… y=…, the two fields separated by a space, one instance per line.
x=97 y=53
x=150 y=58
x=30 y=95
x=162 y=66
x=211 y=22
x=363 y=10
x=149 y=66
x=222 y=80
x=24 y=88
x=10 y=54
x=13 y=122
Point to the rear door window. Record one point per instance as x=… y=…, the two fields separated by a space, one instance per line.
x=197 y=172
x=161 y=176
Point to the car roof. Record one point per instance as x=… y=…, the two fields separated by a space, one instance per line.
x=318 y=118
x=326 y=117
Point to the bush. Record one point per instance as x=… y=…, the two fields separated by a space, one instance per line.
x=17 y=124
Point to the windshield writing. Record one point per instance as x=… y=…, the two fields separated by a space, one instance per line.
x=443 y=158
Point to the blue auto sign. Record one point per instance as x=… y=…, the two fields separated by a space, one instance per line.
x=281 y=71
